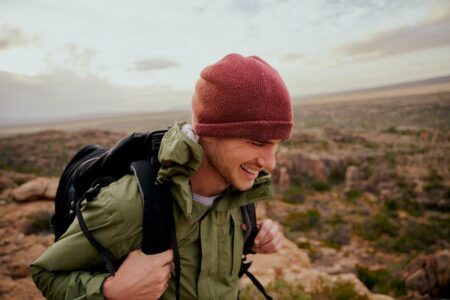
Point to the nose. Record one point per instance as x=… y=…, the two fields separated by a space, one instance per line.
x=266 y=158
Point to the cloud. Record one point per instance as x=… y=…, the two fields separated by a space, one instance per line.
x=64 y=94
x=337 y=11
x=70 y=57
x=247 y=6
x=433 y=31
x=13 y=37
x=79 y=57
x=154 y=64
x=290 y=57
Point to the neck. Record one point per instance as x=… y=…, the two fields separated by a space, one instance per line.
x=206 y=181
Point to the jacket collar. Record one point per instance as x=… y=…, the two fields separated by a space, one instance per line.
x=180 y=157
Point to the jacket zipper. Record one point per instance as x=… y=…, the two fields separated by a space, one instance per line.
x=232 y=244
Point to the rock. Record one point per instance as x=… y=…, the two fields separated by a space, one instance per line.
x=340 y=136
x=6 y=182
x=379 y=297
x=39 y=188
x=23 y=288
x=266 y=267
x=6 y=194
x=52 y=187
x=14 y=178
x=6 y=285
x=317 y=165
x=284 y=178
x=429 y=275
x=351 y=177
x=293 y=265
x=18 y=251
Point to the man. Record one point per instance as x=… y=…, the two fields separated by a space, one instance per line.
x=241 y=110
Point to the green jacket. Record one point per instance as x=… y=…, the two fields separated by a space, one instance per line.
x=210 y=246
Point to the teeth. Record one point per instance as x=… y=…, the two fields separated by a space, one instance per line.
x=253 y=172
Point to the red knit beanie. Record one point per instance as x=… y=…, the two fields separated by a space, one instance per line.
x=241 y=97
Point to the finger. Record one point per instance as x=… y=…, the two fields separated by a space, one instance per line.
x=166 y=270
x=271 y=235
x=244 y=227
x=265 y=227
x=165 y=257
x=275 y=238
x=272 y=246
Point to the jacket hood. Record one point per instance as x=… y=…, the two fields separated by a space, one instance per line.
x=180 y=157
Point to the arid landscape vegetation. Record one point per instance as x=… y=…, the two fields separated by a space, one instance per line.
x=362 y=191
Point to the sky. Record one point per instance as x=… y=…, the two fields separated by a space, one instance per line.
x=61 y=60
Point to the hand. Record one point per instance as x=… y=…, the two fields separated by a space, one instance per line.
x=140 y=276
x=268 y=239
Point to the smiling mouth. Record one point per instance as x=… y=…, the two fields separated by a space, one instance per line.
x=250 y=171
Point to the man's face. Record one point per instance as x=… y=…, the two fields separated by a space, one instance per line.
x=239 y=161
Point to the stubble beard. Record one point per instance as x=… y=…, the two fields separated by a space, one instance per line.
x=218 y=165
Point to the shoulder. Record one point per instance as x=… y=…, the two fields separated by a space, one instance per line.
x=122 y=202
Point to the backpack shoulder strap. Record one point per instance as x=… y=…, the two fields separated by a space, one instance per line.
x=158 y=225
x=249 y=215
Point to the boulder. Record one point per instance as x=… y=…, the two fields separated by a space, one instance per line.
x=284 y=178
x=429 y=275
x=317 y=165
x=39 y=188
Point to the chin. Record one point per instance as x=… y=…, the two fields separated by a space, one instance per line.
x=243 y=186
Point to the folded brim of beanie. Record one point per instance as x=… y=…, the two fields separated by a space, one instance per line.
x=257 y=130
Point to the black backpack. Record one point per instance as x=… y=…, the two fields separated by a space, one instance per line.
x=93 y=168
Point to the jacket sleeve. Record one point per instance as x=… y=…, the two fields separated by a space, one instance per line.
x=69 y=269
x=72 y=285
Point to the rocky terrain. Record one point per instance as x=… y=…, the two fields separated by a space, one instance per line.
x=362 y=191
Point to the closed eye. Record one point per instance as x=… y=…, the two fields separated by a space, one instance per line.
x=256 y=143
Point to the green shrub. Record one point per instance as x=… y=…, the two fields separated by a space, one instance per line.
x=303 y=180
x=278 y=289
x=447 y=193
x=390 y=158
x=380 y=281
x=340 y=290
x=375 y=226
x=283 y=290
x=370 y=145
x=391 y=205
x=353 y=194
x=345 y=291
x=414 y=149
x=412 y=207
x=304 y=220
x=433 y=181
x=320 y=186
x=336 y=219
x=337 y=175
x=391 y=130
x=339 y=236
x=38 y=223
x=417 y=236
x=294 y=195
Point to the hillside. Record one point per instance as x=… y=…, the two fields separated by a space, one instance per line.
x=362 y=189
